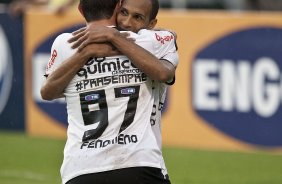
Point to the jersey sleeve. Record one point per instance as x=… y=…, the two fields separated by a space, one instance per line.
x=166 y=49
x=58 y=53
x=165 y=46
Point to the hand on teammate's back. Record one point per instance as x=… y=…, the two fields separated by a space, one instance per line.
x=98 y=34
x=100 y=50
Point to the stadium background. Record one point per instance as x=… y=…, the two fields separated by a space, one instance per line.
x=227 y=96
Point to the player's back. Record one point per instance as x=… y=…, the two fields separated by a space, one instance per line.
x=109 y=103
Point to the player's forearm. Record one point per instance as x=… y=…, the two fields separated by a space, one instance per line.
x=59 y=79
x=143 y=59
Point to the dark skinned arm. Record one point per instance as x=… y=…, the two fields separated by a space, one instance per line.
x=161 y=71
x=59 y=79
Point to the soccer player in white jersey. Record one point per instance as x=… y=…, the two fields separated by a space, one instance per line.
x=109 y=102
x=135 y=16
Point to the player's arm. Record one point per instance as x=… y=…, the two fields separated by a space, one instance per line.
x=159 y=70
x=144 y=60
x=59 y=79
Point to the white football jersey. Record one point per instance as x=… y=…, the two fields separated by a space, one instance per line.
x=160 y=93
x=109 y=105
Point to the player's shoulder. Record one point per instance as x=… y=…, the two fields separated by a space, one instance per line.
x=161 y=36
x=131 y=34
x=61 y=44
x=154 y=32
x=62 y=38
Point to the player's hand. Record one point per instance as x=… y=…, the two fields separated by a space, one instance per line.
x=77 y=34
x=99 y=50
x=78 y=38
x=91 y=34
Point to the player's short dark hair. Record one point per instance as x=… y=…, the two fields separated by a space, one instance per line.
x=155 y=9
x=94 y=10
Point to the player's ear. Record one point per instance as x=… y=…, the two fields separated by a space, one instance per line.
x=118 y=6
x=152 y=23
x=120 y=3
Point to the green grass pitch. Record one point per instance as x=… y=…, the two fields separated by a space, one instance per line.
x=25 y=160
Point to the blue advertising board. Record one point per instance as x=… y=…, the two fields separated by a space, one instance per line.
x=237 y=85
x=11 y=73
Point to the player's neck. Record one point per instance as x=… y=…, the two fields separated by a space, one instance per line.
x=104 y=22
